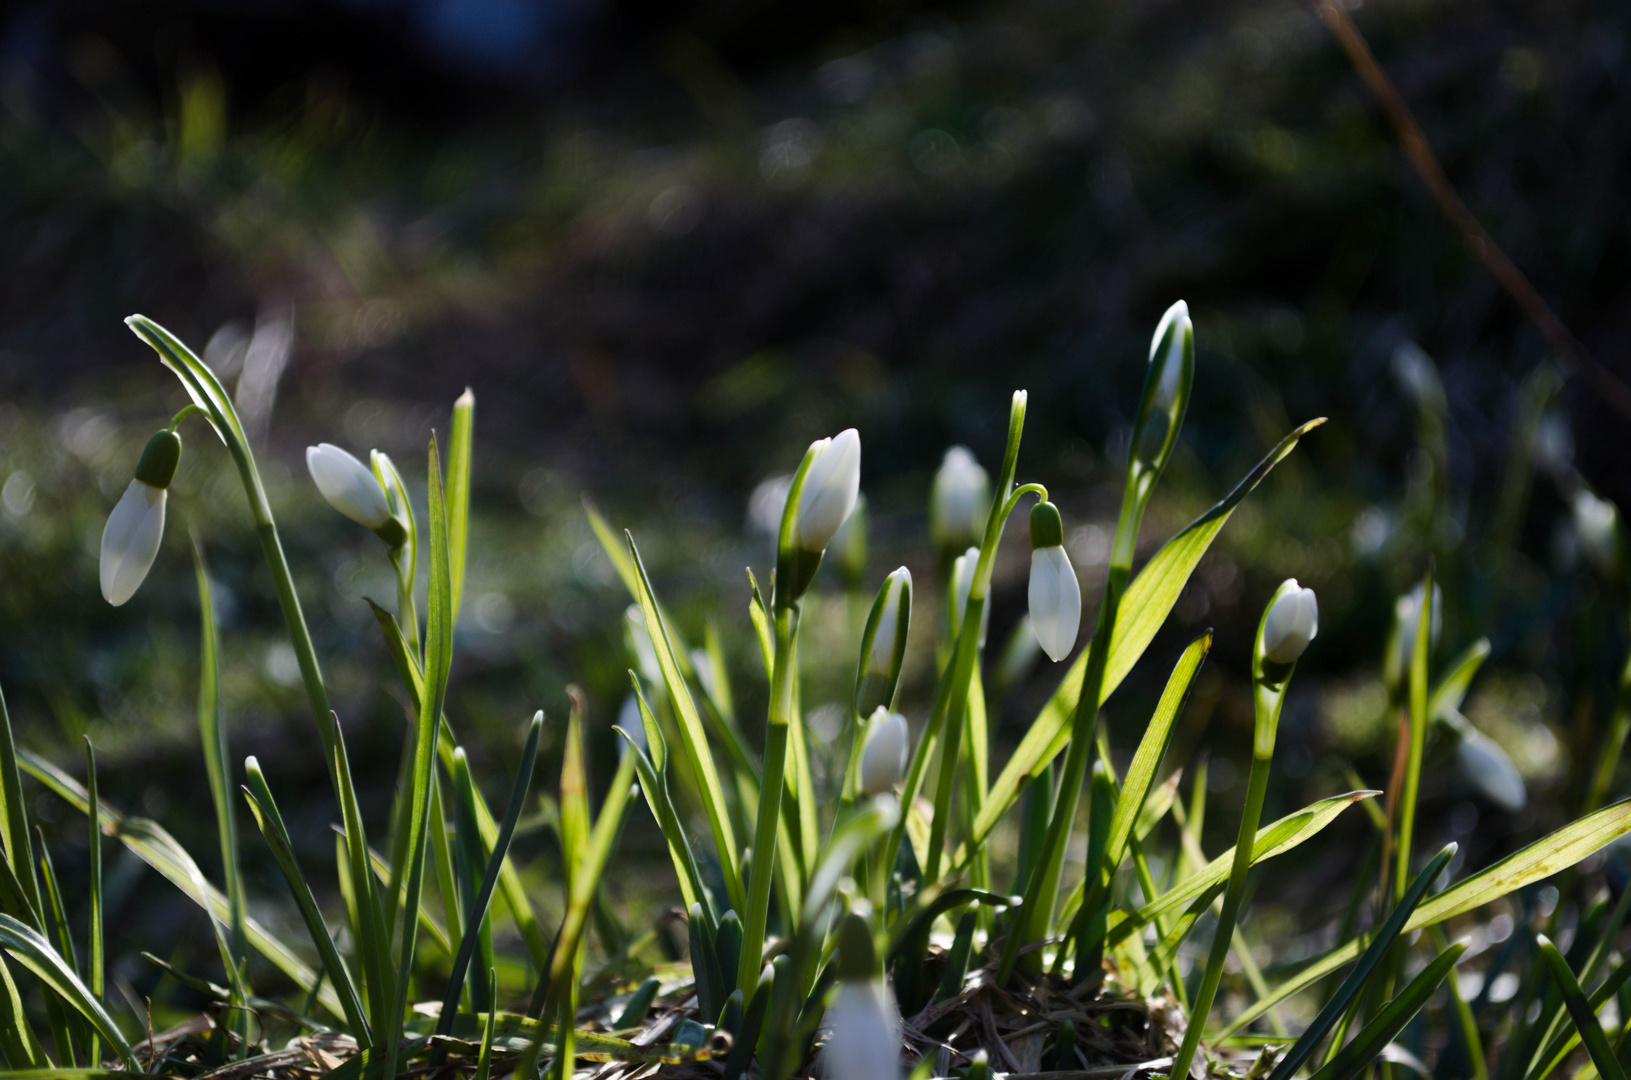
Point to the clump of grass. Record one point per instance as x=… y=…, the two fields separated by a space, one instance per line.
x=857 y=925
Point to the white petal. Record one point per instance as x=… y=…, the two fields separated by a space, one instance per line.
x=882 y=653
x=1172 y=362
x=865 y=1034
x=1488 y=766
x=348 y=485
x=830 y=486
x=1056 y=602
x=130 y=541
x=883 y=755
x=1291 y=623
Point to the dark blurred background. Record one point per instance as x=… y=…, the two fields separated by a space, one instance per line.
x=669 y=244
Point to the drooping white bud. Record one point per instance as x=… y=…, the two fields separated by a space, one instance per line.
x=959 y=501
x=1290 y=624
x=1055 y=595
x=130 y=540
x=883 y=755
x=348 y=485
x=830 y=487
x=1490 y=769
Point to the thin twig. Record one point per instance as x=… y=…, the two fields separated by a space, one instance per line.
x=1483 y=246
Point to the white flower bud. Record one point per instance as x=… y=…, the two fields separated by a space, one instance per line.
x=1597 y=522
x=881 y=656
x=1055 y=595
x=130 y=540
x=1291 y=623
x=348 y=485
x=1056 y=602
x=1171 y=361
x=865 y=1033
x=962 y=581
x=883 y=755
x=830 y=487
x=959 y=501
x=1489 y=768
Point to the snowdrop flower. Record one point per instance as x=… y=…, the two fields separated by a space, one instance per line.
x=962 y=580
x=1290 y=623
x=1490 y=769
x=864 y=1026
x=959 y=501
x=352 y=489
x=828 y=494
x=883 y=755
x=130 y=540
x=1176 y=317
x=1055 y=594
x=883 y=643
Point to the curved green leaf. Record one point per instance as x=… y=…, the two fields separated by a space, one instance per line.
x=1370 y=1042
x=30 y=949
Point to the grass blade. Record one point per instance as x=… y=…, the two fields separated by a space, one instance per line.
x=149 y=841
x=509 y=882
x=1273 y=839
x=1376 y=1035
x=693 y=740
x=1143 y=609
x=458 y=491
x=1356 y=979
x=1406 y=834
x=267 y=816
x=1452 y=688
x=96 y=962
x=1141 y=773
x=484 y=1063
x=212 y=738
x=56 y=924
x=1548 y=855
x=438 y=661
x=31 y=950
x=17 y=1042
x=477 y=911
x=471 y=860
x=1580 y=1010
x=655 y=786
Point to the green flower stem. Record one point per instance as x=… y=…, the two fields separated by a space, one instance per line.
x=175 y=421
x=1042 y=890
x=952 y=697
x=1418 y=741
x=770 y=796
x=1268 y=698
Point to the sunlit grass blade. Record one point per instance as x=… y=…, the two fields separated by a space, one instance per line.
x=1135 y=785
x=30 y=949
x=19 y=843
x=1580 y=1010
x=484 y=1063
x=1273 y=839
x=1417 y=718
x=213 y=739
x=438 y=661
x=1452 y=687
x=56 y=926
x=17 y=1041
x=96 y=943
x=1557 y=851
x=693 y=740
x=650 y=764
x=458 y=492
x=509 y=882
x=476 y=912
x=1380 y=942
x=1376 y=1035
x=150 y=842
x=270 y=820
x=471 y=862
x=1143 y=609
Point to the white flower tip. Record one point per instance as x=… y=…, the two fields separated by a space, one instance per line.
x=1055 y=602
x=1292 y=622
x=465 y=400
x=883 y=755
x=1178 y=314
x=831 y=485
x=130 y=541
x=348 y=485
